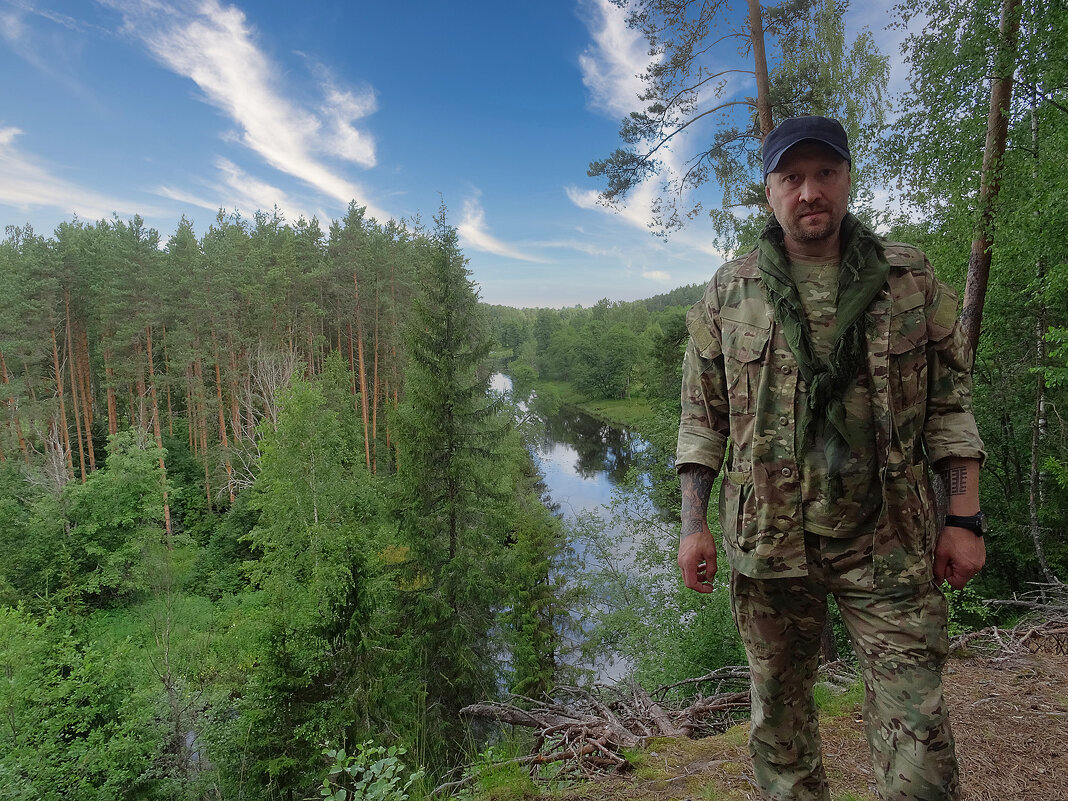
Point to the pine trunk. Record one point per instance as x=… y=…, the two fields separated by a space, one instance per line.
x=235 y=408
x=86 y=387
x=363 y=373
x=374 y=392
x=352 y=361
x=64 y=435
x=142 y=390
x=74 y=393
x=113 y=406
x=157 y=432
x=202 y=425
x=13 y=407
x=760 y=67
x=167 y=379
x=191 y=412
x=222 y=422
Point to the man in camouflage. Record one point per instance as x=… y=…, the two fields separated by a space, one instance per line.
x=833 y=364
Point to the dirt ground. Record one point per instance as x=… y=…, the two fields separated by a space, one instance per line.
x=1010 y=719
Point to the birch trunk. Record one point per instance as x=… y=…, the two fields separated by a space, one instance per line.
x=1035 y=497
x=997 y=130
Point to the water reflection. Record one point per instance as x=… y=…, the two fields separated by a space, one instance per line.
x=581 y=458
x=599 y=448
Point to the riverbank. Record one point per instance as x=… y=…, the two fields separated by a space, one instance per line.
x=633 y=414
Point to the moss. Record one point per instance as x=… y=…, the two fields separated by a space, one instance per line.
x=835 y=704
x=737 y=734
x=505 y=783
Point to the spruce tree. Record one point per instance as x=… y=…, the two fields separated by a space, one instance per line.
x=449 y=500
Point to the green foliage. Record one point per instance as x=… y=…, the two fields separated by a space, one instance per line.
x=222 y=565
x=450 y=500
x=967 y=612
x=935 y=153
x=373 y=773
x=74 y=724
x=639 y=607
x=80 y=546
x=113 y=518
x=494 y=776
x=683 y=296
x=812 y=69
x=318 y=575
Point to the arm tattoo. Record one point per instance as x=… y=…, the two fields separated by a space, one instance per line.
x=956 y=479
x=696 y=489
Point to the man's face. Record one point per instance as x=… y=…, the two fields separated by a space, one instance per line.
x=809 y=192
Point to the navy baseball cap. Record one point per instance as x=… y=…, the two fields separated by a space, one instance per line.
x=798 y=129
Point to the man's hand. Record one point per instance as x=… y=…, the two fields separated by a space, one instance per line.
x=959 y=555
x=697 y=549
x=697 y=560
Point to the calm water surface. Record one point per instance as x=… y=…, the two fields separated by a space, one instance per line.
x=581 y=458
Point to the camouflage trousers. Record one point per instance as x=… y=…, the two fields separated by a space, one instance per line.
x=899 y=636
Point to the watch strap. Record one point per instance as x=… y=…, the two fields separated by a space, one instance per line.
x=975 y=523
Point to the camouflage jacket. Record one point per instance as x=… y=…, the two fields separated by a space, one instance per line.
x=739 y=385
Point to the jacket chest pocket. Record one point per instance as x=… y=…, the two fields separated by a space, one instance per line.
x=744 y=345
x=908 y=352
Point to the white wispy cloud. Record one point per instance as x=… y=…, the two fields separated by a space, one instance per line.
x=27 y=184
x=610 y=68
x=611 y=64
x=579 y=246
x=475 y=235
x=215 y=46
x=236 y=190
x=660 y=276
x=637 y=212
x=32 y=34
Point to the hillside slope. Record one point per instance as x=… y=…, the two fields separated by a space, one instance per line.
x=1010 y=717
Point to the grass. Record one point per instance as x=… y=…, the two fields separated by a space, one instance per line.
x=835 y=704
x=633 y=414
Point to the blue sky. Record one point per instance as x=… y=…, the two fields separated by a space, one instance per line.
x=167 y=108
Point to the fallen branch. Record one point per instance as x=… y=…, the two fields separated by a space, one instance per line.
x=587 y=729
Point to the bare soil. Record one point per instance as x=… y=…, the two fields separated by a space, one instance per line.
x=1010 y=719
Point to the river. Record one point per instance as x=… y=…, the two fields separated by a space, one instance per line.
x=581 y=458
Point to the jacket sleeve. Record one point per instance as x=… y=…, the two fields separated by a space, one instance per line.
x=705 y=419
x=949 y=428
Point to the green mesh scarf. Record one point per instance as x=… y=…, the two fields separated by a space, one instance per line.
x=861 y=274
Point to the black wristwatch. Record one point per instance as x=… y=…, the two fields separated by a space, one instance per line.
x=975 y=523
